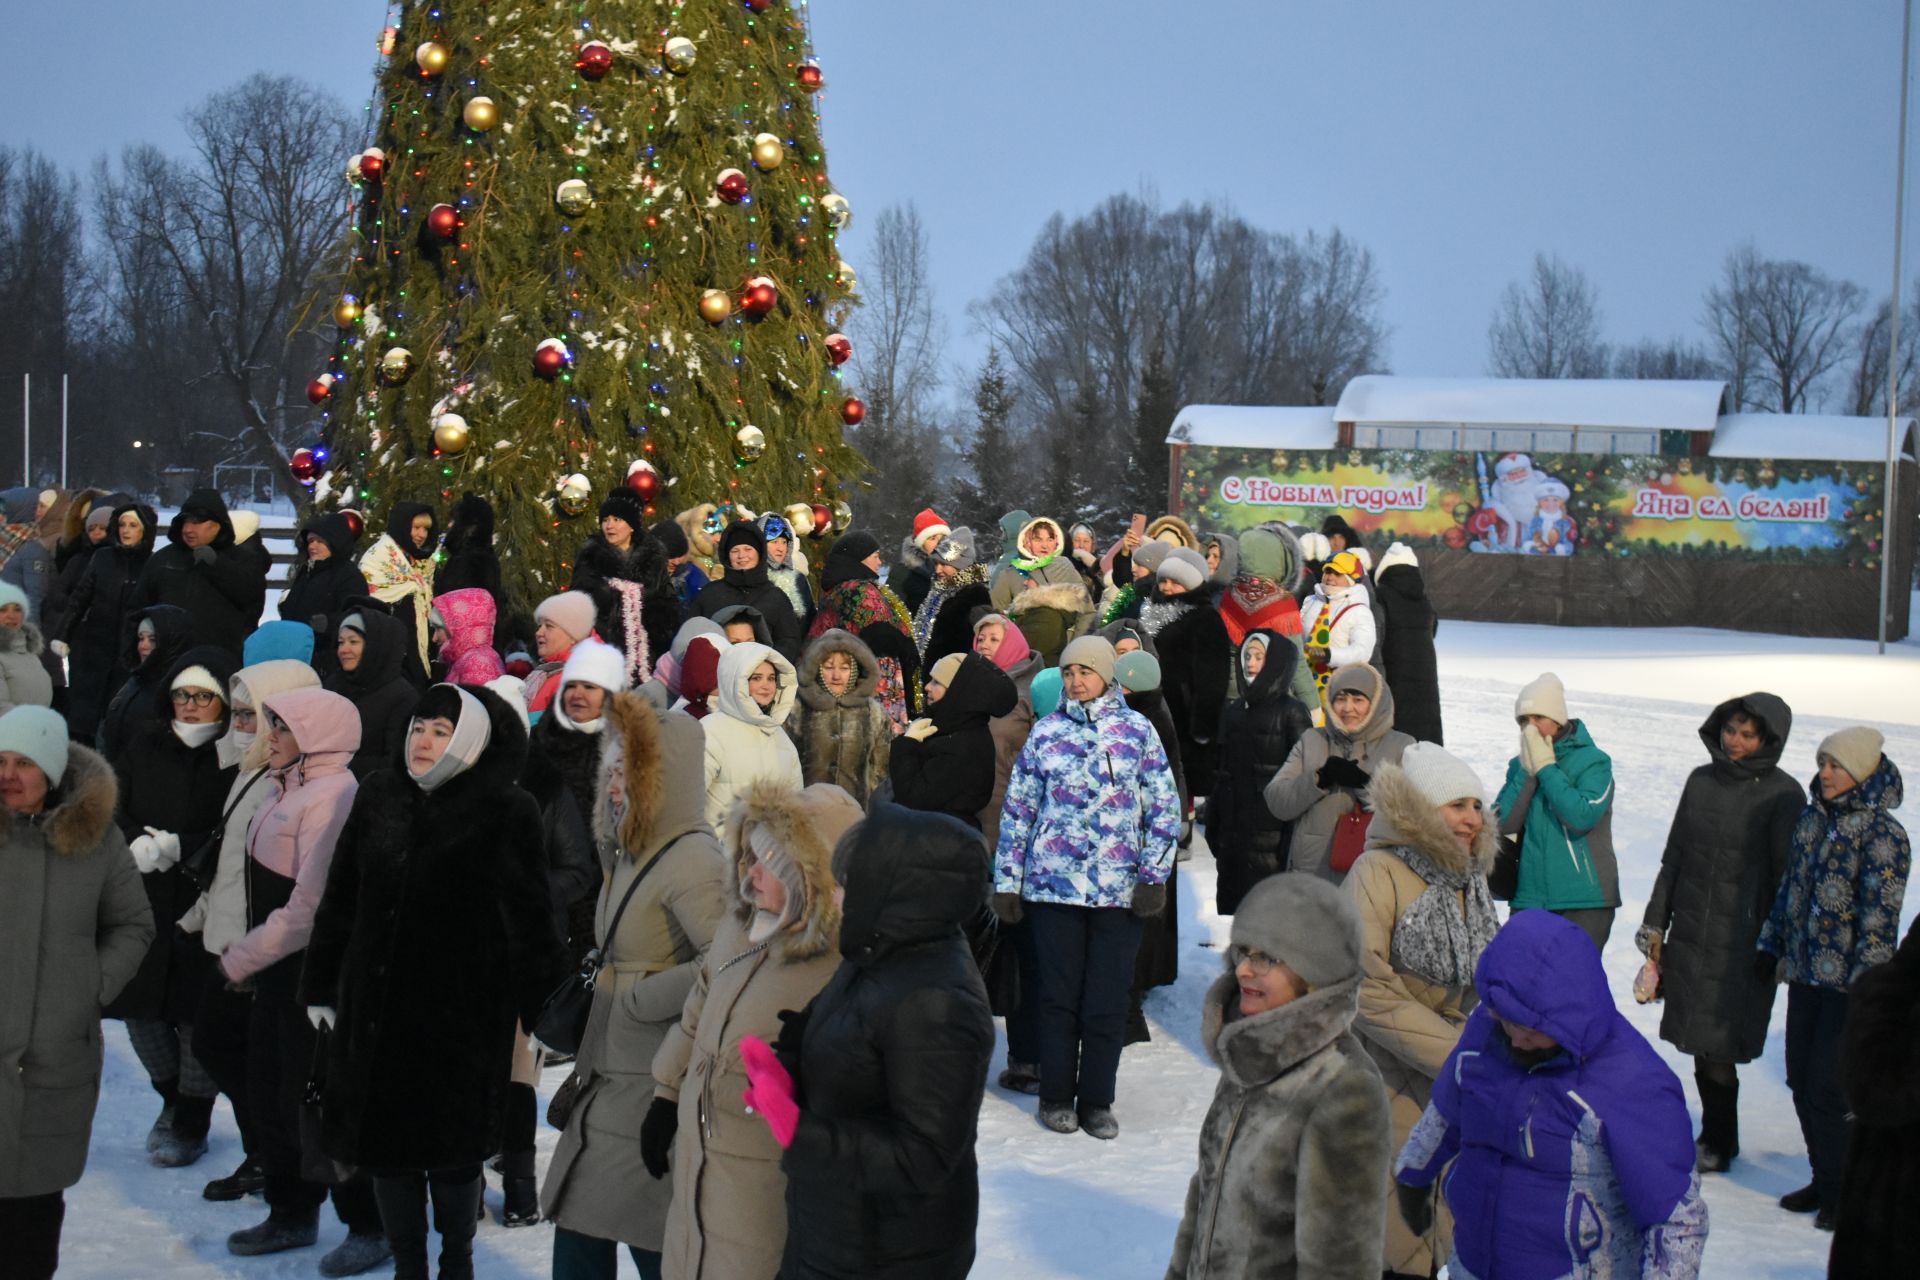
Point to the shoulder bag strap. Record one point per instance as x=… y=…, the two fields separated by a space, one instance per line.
x=613 y=925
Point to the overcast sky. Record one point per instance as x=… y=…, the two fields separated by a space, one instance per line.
x=1638 y=139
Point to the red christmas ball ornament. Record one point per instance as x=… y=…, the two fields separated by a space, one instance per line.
x=811 y=79
x=356 y=523
x=822 y=520
x=305 y=467
x=595 y=59
x=760 y=297
x=839 y=348
x=853 y=411
x=550 y=359
x=759 y=6
x=443 y=220
x=643 y=480
x=373 y=164
x=319 y=389
x=731 y=186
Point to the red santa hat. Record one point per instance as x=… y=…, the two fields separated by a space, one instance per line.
x=928 y=524
x=1511 y=463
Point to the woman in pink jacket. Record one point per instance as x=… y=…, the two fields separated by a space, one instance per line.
x=469 y=652
x=311 y=737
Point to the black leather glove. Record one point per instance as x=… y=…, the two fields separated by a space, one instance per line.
x=1339 y=771
x=1008 y=907
x=1416 y=1206
x=656 y=1135
x=1149 y=900
x=203 y=555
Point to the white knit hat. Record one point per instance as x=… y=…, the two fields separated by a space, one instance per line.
x=1314 y=546
x=1546 y=696
x=1365 y=556
x=198 y=677
x=598 y=663
x=572 y=611
x=1439 y=775
x=1397 y=554
x=1855 y=748
x=38 y=733
x=513 y=692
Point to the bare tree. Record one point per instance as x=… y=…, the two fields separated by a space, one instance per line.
x=42 y=282
x=1674 y=358
x=1867 y=367
x=246 y=225
x=1548 y=326
x=1778 y=328
x=898 y=343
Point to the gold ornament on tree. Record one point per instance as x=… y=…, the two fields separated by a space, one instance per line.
x=574 y=197
x=396 y=366
x=768 y=151
x=573 y=494
x=848 y=280
x=432 y=57
x=680 y=55
x=715 y=306
x=481 y=115
x=346 y=312
x=450 y=434
x=749 y=443
x=839 y=212
x=842 y=517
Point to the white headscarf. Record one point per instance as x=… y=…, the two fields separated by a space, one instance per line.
x=471 y=734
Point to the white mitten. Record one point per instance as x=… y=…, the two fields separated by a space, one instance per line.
x=1536 y=753
x=321 y=1016
x=920 y=730
x=166 y=847
x=59 y=647
x=144 y=856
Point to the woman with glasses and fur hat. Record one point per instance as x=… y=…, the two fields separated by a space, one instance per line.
x=773 y=951
x=433 y=935
x=625 y=572
x=1294 y=1152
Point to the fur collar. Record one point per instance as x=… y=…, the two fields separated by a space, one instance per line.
x=1402 y=816
x=649 y=745
x=777 y=806
x=1256 y=1051
x=1068 y=597
x=88 y=794
x=866 y=671
x=24 y=638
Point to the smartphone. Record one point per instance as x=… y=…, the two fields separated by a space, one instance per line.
x=1139 y=525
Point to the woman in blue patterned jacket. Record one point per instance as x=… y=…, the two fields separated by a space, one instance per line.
x=1087 y=837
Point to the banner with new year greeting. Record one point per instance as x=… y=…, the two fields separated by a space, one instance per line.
x=1550 y=504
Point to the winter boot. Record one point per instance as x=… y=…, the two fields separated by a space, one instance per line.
x=522 y=1207
x=169 y=1091
x=403 y=1215
x=360 y=1251
x=284 y=1229
x=1719 y=1125
x=1098 y=1122
x=248 y=1179
x=1059 y=1117
x=186 y=1140
x=1021 y=1077
x=456 y=1215
x=1805 y=1200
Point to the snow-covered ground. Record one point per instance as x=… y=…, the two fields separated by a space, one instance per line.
x=1069 y=1206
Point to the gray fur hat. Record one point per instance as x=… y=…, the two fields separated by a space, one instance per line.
x=1305 y=923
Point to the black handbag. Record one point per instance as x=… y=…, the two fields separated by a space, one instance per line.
x=204 y=863
x=562 y=1024
x=1503 y=878
x=316 y=1165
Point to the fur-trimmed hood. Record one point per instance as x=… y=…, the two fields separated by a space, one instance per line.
x=693 y=523
x=730 y=696
x=1254 y=1051
x=79 y=818
x=1068 y=597
x=1175 y=531
x=24 y=638
x=795 y=819
x=661 y=755
x=1402 y=817
x=866 y=676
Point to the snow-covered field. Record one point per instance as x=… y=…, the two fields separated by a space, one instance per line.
x=1069 y=1206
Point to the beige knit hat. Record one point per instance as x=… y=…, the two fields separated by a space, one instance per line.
x=1546 y=696
x=1855 y=748
x=945 y=669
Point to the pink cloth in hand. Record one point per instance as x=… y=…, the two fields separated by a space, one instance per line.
x=769 y=1089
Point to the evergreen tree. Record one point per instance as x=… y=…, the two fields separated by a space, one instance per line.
x=997 y=481
x=1153 y=417
x=557 y=178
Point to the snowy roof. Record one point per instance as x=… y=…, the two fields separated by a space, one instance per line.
x=1547 y=402
x=1236 y=426
x=1826 y=437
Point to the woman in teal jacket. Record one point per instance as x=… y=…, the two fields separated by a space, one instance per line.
x=1558 y=800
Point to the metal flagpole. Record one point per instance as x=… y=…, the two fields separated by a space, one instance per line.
x=1889 y=525
x=26 y=428
x=63 y=429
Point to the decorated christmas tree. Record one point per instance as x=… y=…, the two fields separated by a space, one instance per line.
x=592 y=245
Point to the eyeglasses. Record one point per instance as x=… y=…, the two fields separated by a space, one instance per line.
x=1258 y=962
x=194 y=697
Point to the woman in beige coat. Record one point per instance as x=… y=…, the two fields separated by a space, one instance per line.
x=1326 y=775
x=1425 y=916
x=651 y=826
x=773 y=952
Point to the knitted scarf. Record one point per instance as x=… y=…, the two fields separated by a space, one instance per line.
x=1434 y=939
x=632 y=597
x=929 y=610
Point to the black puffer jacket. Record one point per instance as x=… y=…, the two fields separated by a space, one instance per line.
x=143 y=694
x=1406 y=650
x=1880 y=1068
x=573 y=870
x=1257 y=733
x=170 y=786
x=575 y=759
x=952 y=772
x=94 y=625
x=378 y=687
x=890 y=1064
x=225 y=592
x=318 y=593
x=751 y=587
x=433 y=936
x=1196 y=661
x=600 y=565
x=1725 y=857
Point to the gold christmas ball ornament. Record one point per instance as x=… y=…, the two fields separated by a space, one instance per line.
x=839 y=213
x=573 y=494
x=749 y=443
x=396 y=366
x=432 y=57
x=768 y=151
x=574 y=197
x=346 y=312
x=680 y=55
x=481 y=115
x=842 y=517
x=800 y=516
x=848 y=279
x=715 y=306
x=450 y=433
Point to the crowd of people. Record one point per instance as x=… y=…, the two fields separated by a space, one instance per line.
x=763 y=849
